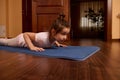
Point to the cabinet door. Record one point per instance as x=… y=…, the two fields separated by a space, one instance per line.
x=44 y=12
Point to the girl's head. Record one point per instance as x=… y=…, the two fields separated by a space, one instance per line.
x=60 y=28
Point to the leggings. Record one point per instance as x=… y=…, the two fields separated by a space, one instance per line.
x=9 y=42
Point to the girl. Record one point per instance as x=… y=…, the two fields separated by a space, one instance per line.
x=38 y=41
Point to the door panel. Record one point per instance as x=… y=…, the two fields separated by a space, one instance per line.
x=26 y=16
x=50 y=2
x=45 y=21
x=48 y=10
x=44 y=12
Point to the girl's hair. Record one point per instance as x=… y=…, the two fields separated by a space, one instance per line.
x=60 y=23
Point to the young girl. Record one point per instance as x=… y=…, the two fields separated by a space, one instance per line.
x=39 y=41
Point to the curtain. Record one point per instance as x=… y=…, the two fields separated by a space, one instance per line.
x=89 y=14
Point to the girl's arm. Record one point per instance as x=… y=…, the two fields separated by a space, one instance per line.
x=29 y=38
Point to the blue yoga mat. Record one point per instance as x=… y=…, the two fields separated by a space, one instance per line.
x=71 y=52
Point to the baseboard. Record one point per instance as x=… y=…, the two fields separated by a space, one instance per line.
x=115 y=39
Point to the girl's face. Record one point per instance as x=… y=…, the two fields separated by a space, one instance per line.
x=62 y=36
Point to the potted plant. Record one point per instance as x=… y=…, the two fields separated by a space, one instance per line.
x=96 y=17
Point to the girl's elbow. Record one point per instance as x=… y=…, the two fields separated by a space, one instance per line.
x=25 y=33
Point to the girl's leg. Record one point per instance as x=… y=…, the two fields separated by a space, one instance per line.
x=9 y=42
x=3 y=41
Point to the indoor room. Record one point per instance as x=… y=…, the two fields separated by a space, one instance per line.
x=59 y=39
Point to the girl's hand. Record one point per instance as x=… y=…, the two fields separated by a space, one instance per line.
x=37 y=49
x=61 y=45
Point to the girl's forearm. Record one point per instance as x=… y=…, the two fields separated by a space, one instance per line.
x=28 y=40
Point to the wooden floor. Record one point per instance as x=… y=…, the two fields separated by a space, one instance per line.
x=104 y=65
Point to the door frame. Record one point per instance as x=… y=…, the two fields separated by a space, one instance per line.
x=108 y=28
x=26 y=15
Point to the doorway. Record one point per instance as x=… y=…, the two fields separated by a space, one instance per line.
x=89 y=19
x=106 y=35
